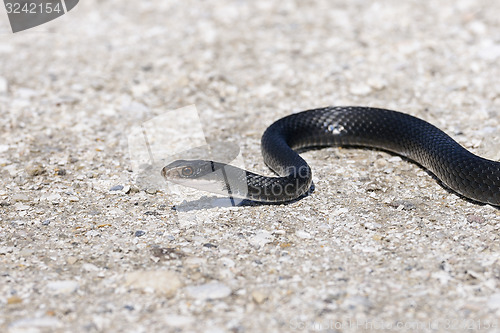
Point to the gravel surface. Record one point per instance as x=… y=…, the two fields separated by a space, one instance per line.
x=378 y=246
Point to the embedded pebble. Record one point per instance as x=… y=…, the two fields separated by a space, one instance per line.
x=357 y=301
x=494 y=301
x=116 y=188
x=71 y=260
x=4 y=148
x=177 y=320
x=161 y=281
x=63 y=286
x=381 y=163
x=73 y=198
x=14 y=300
x=135 y=107
x=259 y=296
x=471 y=218
x=88 y=267
x=21 y=207
x=403 y=205
x=35 y=169
x=139 y=233
x=303 y=234
x=360 y=89
x=151 y=190
x=208 y=291
x=26 y=93
x=20 y=197
x=261 y=238
x=377 y=83
x=51 y=197
x=4 y=85
x=490 y=51
x=35 y=324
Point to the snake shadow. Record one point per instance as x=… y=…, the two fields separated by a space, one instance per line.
x=208 y=202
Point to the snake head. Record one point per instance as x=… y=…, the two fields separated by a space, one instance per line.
x=188 y=170
x=209 y=176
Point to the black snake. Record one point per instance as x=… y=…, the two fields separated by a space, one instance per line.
x=472 y=176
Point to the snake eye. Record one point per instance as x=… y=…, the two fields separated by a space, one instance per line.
x=187 y=171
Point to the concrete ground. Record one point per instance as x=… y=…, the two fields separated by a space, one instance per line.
x=378 y=246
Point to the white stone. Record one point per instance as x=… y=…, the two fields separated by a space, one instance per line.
x=489 y=51
x=20 y=197
x=20 y=207
x=4 y=148
x=360 y=89
x=62 y=286
x=177 y=321
x=303 y=234
x=262 y=238
x=34 y=324
x=161 y=281
x=4 y=85
x=208 y=291
x=494 y=301
x=90 y=267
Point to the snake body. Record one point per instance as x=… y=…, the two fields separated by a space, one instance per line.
x=472 y=176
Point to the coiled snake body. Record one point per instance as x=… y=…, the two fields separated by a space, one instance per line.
x=465 y=173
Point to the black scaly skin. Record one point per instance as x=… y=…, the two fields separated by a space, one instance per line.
x=472 y=176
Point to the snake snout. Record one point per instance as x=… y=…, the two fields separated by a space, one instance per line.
x=169 y=173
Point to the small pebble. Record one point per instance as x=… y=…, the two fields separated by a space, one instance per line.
x=46 y=222
x=303 y=234
x=139 y=233
x=150 y=190
x=4 y=85
x=403 y=205
x=14 y=300
x=63 y=286
x=71 y=260
x=52 y=197
x=259 y=296
x=165 y=282
x=360 y=89
x=380 y=163
x=489 y=52
x=87 y=267
x=116 y=188
x=34 y=169
x=26 y=93
x=471 y=218
x=134 y=189
x=45 y=324
x=377 y=83
x=21 y=207
x=261 y=238
x=179 y=321
x=208 y=291
x=60 y=172
x=357 y=301
x=494 y=301
x=20 y=197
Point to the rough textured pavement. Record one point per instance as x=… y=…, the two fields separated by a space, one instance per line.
x=378 y=246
